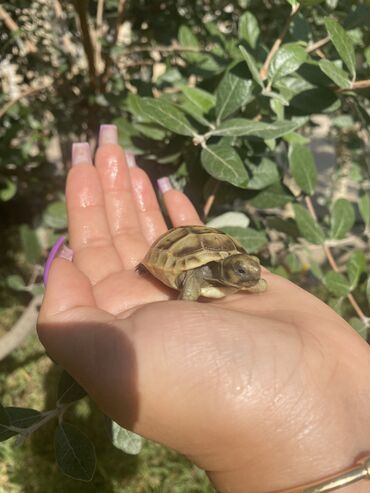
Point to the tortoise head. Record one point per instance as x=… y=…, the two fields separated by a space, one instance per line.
x=241 y=270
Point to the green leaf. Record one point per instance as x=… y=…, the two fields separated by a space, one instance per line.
x=202 y=100
x=188 y=40
x=273 y=196
x=30 y=244
x=336 y=304
x=252 y=65
x=308 y=227
x=251 y=239
x=14 y=281
x=364 y=207
x=55 y=215
x=336 y=283
x=223 y=163
x=248 y=29
x=68 y=389
x=303 y=168
x=342 y=219
x=231 y=94
x=343 y=44
x=151 y=131
x=368 y=290
x=359 y=326
x=5 y=434
x=16 y=416
x=264 y=175
x=167 y=115
x=287 y=60
x=293 y=262
x=238 y=127
x=125 y=440
x=314 y=266
x=231 y=218
x=356 y=265
x=75 y=454
x=336 y=74
x=7 y=189
x=23 y=417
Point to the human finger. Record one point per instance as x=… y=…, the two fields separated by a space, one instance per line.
x=147 y=206
x=89 y=234
x=179 y=207
x=122 y=216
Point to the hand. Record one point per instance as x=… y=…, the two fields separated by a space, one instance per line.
x=274 y=382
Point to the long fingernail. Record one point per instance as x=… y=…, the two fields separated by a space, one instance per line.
x=108 y=134
x=130 y=159
x=66 y=253
x=81 y=153
x=164 y=184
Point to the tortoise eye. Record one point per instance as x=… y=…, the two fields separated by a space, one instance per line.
x=241 y=270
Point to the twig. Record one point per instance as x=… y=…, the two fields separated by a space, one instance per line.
x=334 y=265
x=265 y=68
x=99 y=35
x=163 y=49
x=315 y=46
x=356 y=86
x=13 y=27
x=211 y=199
x=109 y=62
x=60 y=16
x=22 y=328
x=25 y=94
x=81 y=7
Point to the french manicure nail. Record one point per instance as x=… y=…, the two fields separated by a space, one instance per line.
x=130 y=159
x=81 y=153
x=164 y=184
x=66 y=253
x=108 y=134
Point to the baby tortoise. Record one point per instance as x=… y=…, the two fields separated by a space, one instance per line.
x=202 y=261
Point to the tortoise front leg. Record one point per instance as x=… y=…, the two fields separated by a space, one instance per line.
x=191 y=286
x=260 y=287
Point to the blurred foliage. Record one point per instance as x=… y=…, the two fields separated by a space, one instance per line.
x=276 y=141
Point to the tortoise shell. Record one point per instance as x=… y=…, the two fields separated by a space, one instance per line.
x=187 y=247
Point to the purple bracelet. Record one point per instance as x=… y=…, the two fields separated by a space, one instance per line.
x=53 y=252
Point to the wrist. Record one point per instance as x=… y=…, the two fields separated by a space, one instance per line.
x=328 y=444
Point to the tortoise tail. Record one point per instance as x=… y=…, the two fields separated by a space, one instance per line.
x=141 y=269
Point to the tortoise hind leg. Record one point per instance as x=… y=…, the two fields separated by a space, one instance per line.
x=191 y=286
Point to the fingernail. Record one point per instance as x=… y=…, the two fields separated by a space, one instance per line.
x=81 y=153
x=164 y=184
x=66 y=253
x=58 y=250
x=130 y=159
x=108 y=134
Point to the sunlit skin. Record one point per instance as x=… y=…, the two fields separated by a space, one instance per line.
x=264 y=391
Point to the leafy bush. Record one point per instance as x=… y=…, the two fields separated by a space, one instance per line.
x=257 y=109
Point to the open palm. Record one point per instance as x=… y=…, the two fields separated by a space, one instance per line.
x=249 y=382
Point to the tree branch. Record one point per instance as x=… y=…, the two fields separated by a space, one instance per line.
x=211 y=198
x=99 y=35
x=22 y=328
x=25 y=94
x=334 y=265
x=317 y=45
x=109 y=62
x=81 y=7
x=13 y=27
x=265 y=68
x=356 y=86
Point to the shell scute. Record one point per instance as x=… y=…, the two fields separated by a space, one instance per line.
x=187 y=247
